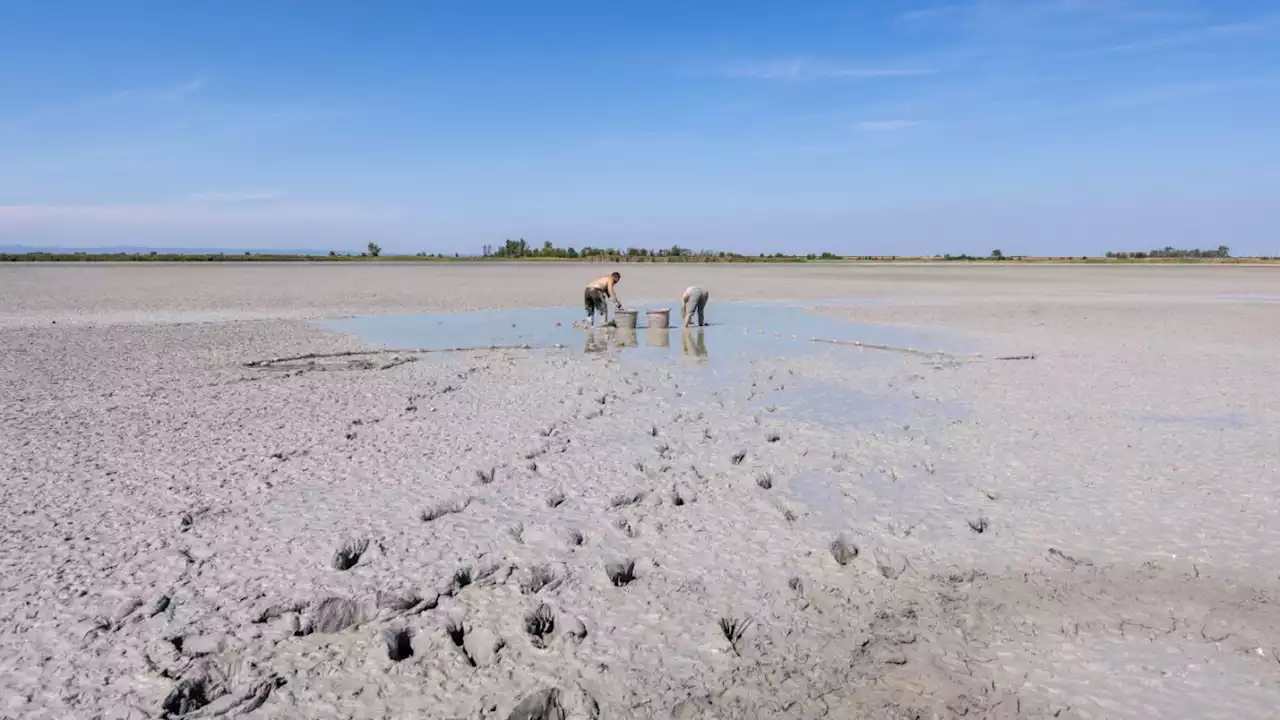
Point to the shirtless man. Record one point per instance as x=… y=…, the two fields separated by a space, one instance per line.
x=694 y=300
x=596 y=295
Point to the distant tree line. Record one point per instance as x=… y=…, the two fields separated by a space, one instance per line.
x=1222 y=251
x=521 y=249
x=995 y=255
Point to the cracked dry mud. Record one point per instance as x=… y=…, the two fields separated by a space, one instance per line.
x=567 y=535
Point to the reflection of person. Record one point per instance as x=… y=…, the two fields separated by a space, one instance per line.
x=693 y=342
x=597 y=294
x=593 y=346
x=694 y=299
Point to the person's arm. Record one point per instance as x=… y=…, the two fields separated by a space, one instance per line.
x=613 y=292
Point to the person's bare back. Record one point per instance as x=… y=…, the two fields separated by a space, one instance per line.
x=606 y=283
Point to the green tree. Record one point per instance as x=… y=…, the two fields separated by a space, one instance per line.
x=997 y=255
x=375 y=249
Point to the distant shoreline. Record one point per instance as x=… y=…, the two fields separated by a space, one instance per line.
x=88 y=257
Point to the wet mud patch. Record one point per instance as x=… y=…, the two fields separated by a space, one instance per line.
x=841 y=406
x=1223 y=421
x=917 y=505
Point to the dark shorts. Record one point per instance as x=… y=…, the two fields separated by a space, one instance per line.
x=698 y=299
x=595 y=301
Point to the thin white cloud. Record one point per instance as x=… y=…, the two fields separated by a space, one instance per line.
x=938 y=12
x=167 y=93
x=1020 y=17
x=888 y=125
x=189 y=87
x=238 y=196
x=1192 y=36
x=119 y=98
x=1137 y=98
x=1183 y=91
x=806 y=69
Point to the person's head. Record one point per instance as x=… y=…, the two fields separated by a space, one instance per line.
x=616 y=276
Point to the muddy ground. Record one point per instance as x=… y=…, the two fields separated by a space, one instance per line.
x=699 y=530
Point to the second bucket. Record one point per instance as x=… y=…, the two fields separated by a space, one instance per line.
x=659 y=318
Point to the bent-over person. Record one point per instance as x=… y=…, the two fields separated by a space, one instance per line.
x=694 y=300
x=597 y=295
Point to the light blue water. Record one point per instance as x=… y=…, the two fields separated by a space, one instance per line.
x=735 y=329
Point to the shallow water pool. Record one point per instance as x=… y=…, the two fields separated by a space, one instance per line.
x=734 y=330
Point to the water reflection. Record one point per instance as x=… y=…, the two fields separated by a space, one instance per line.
x=657 y=337
x=597 y=341
x=693 y=342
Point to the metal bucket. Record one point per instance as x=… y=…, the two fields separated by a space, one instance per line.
x=625 y=318
x=659 y=318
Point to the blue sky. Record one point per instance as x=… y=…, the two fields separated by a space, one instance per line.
x=871 y=127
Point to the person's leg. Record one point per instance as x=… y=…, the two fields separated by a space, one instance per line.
x=602 y=306
x=691 y=304
x=702 y=307
x=589 y=300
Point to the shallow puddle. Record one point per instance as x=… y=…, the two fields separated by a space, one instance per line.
x=739 y=343
x=735 y=329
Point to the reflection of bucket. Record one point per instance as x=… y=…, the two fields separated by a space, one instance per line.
x=625 y=318
x=657 y=337
x=626 y=337
x=659 y=318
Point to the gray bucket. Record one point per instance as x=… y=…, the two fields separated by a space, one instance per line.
x=625 y=318
x=659 y=318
